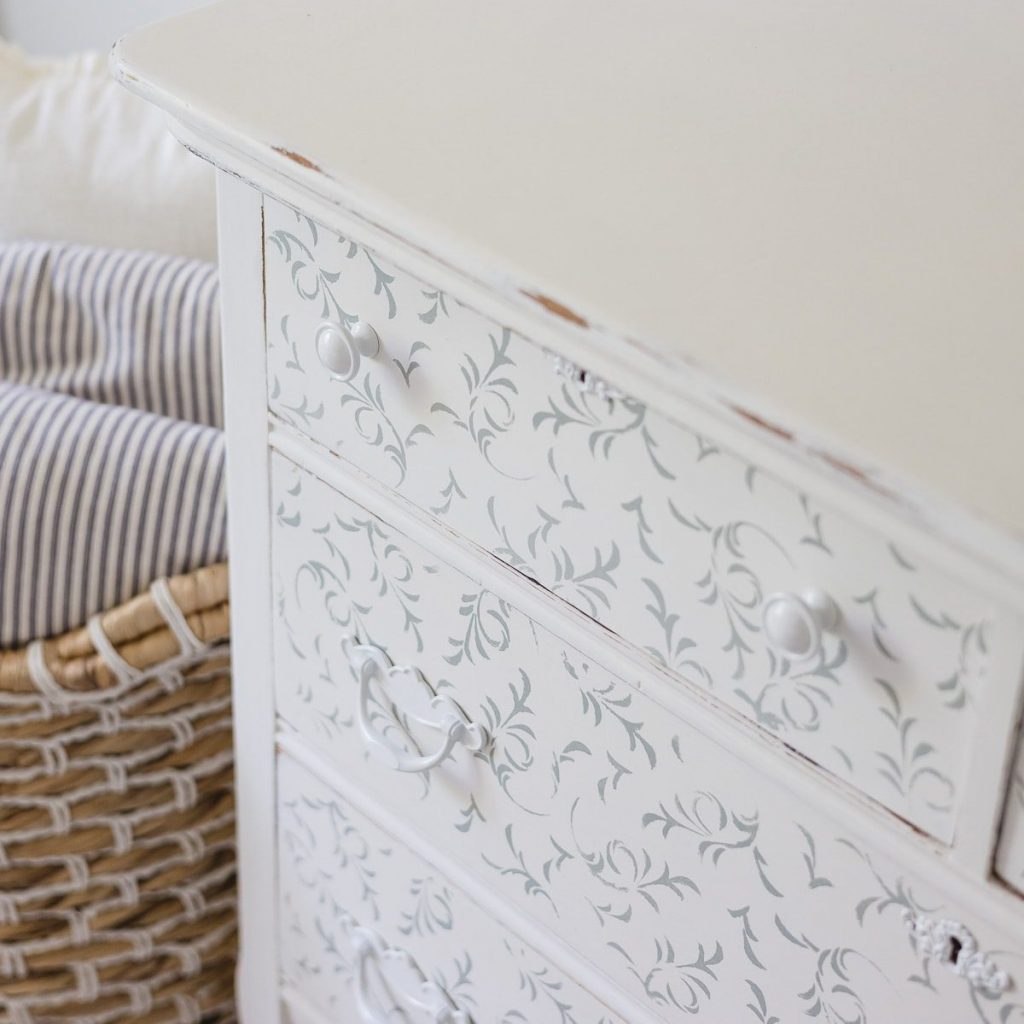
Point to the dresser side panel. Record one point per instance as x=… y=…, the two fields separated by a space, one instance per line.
x=240 y=228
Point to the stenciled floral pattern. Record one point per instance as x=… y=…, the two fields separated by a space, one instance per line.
x=693 y=883
x=339 y=869
x=660 y=533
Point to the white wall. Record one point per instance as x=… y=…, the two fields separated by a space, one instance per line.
x=55 y=27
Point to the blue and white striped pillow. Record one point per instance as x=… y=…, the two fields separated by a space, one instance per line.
x=111 y=460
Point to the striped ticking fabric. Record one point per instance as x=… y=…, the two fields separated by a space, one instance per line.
x=124 y=328
x=111 y=463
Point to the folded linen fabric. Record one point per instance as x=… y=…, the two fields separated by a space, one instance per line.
x=127 y=328
x=97 y=501
x=111 y=463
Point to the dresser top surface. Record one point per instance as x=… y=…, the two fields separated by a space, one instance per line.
x=817 y=202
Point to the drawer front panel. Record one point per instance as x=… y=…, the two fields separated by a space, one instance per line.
x=692 y=883
x=1010 y=856
x=663 y=535
x=339 y=871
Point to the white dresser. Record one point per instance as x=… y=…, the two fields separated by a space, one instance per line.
x=625 y=413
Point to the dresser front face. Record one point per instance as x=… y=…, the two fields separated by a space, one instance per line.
x=662 y=534
x=581 y=849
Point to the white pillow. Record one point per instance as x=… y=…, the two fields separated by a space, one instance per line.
x=82 y=160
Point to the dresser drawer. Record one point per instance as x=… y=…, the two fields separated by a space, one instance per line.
x=364 y=918
x=686 y=878
x=663 y=535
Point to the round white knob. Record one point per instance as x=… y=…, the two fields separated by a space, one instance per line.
x=341 y=347
x=793 y=623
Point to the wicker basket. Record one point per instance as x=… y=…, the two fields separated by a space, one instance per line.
x=117 y=860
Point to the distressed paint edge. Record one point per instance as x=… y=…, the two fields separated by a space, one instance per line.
x=298 y=158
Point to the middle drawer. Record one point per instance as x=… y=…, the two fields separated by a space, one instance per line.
x=690 y=881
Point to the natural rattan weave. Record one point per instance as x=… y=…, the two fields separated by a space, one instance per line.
x=117 y=859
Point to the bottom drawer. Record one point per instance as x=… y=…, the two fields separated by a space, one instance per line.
x=370 y=932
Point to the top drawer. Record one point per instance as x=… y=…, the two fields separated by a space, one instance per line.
x=662 y=534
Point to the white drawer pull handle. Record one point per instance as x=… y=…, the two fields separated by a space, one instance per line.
x=341 y=348
x=794 y=623
x=412 y=696
x=402 y=983
x=954 y=945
